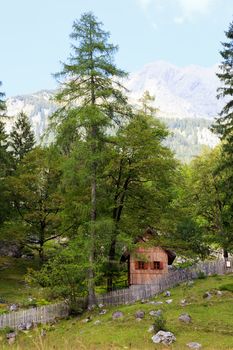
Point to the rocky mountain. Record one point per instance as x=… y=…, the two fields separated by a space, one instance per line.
x=185 y=97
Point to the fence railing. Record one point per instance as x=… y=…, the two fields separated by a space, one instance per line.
x=42 y=314
x=48 y=313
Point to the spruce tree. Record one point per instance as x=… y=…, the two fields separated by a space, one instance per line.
x=22 y=138
x=224 y=128
x=2 y=101
x=92 y=94
x=224 y=124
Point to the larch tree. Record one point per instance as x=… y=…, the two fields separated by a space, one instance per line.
x=92 y=93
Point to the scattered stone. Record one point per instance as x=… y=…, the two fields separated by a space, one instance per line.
x=167 y=293
x=186 y=318
x=43 y=332
x=103 y=312
x=91 y=307
x=166 y=338
x=140 y=314
x=155 y=313
x=138 y=319
x=150 y=329
x=190 y=283
x=13 y=307
x=169 y=301
x=144 y=301
x=158 y=302
x=101 y=306
x=194 y=345
x=117 y=314
x=86 y=320
x=97 y=322
x=219 y=293
x=207 y=295
x=183 y=302
x=11 y=335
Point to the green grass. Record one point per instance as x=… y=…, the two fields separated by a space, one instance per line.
x=212 y=324
x=13 y=288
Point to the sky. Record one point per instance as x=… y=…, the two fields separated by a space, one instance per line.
x=34 y=35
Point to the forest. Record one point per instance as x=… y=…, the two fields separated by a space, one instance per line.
x=77 y=203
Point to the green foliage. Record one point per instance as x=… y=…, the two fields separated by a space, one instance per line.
x=201 y=275
x=227 y=287
x=65 y=276
x=22 y=138
x=160 y=324
x=38 y=204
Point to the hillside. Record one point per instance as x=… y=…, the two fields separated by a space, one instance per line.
x=211 y=323
x=185 y=97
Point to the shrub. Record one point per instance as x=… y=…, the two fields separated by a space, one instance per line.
x=201 y=275
x=227 y=287
x=159 y=324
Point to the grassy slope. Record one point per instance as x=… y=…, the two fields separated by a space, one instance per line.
x=212 y=324
x=13 y=288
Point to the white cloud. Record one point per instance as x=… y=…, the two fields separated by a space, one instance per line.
x=145 y=4
x=191 y=8
x=186 y=10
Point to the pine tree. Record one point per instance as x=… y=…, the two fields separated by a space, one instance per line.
x=22 y=138
x=92 y=94
x=2 y=102
x=224 y=124
x=224 y=128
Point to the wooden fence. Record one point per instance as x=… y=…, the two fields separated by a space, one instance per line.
x=42 y=314
x=138 y=292
x=123 y=296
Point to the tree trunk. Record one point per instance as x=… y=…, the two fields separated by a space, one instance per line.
x=91 y=274
x=111 y=265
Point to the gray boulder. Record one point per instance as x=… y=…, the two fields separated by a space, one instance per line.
x=169 y=301
x=163 y=337
x=97 y=322
x=140 y=314
x=167 y=293
x=186 y=318
x=207 y=295
x=194 y=345
x=13 y=307
x=156 y=313
x=117 y=314
x=103 y=312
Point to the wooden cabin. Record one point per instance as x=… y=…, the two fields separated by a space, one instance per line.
x=147 y=262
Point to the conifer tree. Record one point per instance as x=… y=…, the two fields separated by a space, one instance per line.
x=22 y=138
x=224 y=128
x=224 y=124
x=92 y=95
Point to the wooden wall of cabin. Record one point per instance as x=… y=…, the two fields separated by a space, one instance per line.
x=147 y=272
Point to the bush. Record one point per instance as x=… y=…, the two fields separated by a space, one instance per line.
x=227 y=287
x=159 y=324
x=201 y=275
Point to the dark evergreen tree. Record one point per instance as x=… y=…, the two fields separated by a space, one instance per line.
x=22 y=138
x=2 y=101
x=224 y=128
x=92 y=94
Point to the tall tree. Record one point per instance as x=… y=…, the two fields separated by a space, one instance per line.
x=2 y=101
x=34 y=190
x=224 y=124
x=22 y=138
x=91 y=88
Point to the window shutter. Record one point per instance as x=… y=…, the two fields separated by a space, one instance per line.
x=146 y=265
x=161 y=265
x=136 y=265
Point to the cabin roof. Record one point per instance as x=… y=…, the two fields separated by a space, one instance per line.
x=150 y=234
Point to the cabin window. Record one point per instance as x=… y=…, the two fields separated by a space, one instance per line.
x=141 y=265
x=157 y=265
